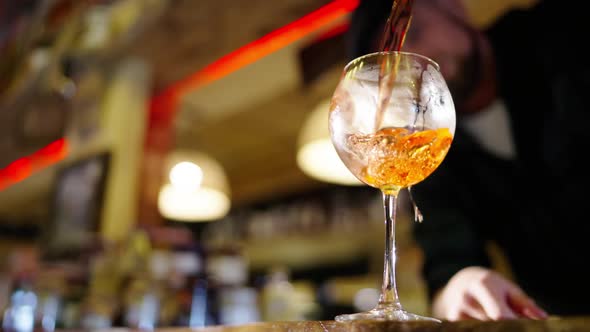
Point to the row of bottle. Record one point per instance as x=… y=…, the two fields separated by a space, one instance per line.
x=141 y=286
x=338 y=210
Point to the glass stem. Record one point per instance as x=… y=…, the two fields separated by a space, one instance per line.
x=389 y=295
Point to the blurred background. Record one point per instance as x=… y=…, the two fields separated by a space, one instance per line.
x=167 y=163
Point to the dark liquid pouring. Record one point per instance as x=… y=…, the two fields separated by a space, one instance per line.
x=393 y=37
x=396 y=27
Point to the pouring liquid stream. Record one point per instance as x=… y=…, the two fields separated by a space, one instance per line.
x=396 y=27
x=393 y=37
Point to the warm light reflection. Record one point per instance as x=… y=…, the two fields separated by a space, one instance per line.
x=186 y=176
x=316 y=156
x=198 y=205
x=319 y=160
x=198 y=189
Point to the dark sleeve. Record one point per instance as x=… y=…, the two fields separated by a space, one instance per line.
x=455 y=201
x=469 y=199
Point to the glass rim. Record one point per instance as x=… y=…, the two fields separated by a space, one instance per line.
x=373 y=54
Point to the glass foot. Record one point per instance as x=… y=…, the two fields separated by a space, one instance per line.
x=385 y=314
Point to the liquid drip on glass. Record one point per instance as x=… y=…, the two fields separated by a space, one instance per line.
x=418 y=217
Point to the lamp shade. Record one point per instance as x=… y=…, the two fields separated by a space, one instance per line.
x=197 y=188
x=316 y=155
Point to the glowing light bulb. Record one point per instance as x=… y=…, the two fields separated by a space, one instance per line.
x=186 y=176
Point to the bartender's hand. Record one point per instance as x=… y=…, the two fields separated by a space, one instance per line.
x=479 y=293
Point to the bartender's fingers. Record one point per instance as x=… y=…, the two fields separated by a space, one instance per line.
x=524 y=305
x=472 y=309
x=464 y=307
x=489 y=293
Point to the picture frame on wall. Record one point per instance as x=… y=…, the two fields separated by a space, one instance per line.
x=76 y=207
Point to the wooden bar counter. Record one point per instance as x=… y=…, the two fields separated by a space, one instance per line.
x=569 y=324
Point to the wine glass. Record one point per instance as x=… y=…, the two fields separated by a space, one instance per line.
x=392 y=121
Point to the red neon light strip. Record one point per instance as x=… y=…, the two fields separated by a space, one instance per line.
x=22 y=168
x=166 y=101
